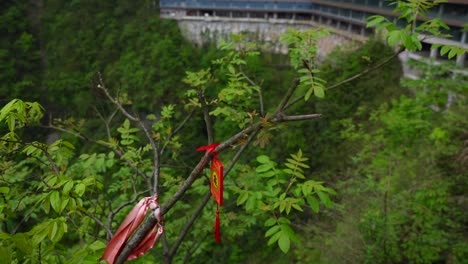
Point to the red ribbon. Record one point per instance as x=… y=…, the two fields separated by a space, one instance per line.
x=217 y=227
x=216 y=184
x=209 y=148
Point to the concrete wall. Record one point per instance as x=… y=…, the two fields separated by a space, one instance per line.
x=200 y=30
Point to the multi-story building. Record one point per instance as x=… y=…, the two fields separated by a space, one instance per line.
x=348 y=15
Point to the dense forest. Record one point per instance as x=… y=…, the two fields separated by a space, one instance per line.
x=104 y=103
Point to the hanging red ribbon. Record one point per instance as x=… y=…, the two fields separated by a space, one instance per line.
x=217 y=228
x=129 y=225
x=216 y=184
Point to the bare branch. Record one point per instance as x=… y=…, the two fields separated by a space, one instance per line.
x=287 y=96
x=206 y=116
x=187 y=118
x=187 y=226
x=282 y=118
x=114 y=100
x=107 y=121
x=98 y=221
x=260 y=95
x=156 y=161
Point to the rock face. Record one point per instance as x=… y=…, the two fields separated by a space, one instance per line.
x=201 y=30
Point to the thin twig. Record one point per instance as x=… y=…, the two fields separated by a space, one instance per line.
x=288 y=95
x=260 y=94
x=187 y=226
x=73 y=133
x=102 y=86
x=297 y=99
x=156 y=161
x=107 y=121
x=173 y=133
x=98 y=221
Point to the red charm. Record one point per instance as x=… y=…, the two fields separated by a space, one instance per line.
x=216 y=180
x=216 y=184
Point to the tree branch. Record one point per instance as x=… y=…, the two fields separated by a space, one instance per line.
x=288 y=95
x=206 y=116
x=283 y=118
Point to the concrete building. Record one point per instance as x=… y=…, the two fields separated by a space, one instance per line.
x=344 y=15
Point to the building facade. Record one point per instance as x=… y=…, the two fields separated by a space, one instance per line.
x=347 y=15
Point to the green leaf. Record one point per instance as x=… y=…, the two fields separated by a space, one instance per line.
x=297 y=207
x=374 y=20
x=97 y=245
x=231 y=69
x=288 y=230
x=55 y=201
x=7 y=108
x=444 y=49
x=263 y=168
x=242 y=198
x=283 y=242
x=22 y=242
x=263 y=159
x=325 y=199
x=394 y=37
x=80 y=189
x=4 y=190
x=319 y=92
x=284 y=220
x=268 y=174
x=68 y=186
x=274 y=238
x=308 y=94
x=272 y=230
x=53 y=231
x=64 y=203
x=314 y=204
x=270 y=222
x=452 y=53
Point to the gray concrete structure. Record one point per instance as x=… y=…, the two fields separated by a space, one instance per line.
x=215 y=18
